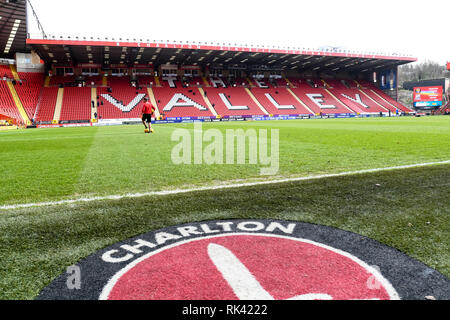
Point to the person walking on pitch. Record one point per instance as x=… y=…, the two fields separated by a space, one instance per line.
x=147 y=112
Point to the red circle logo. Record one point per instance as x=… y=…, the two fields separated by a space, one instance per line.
x=248 y=267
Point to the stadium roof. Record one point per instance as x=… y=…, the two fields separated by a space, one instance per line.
x=109 y=52
x=13 y=27
x=74 y=51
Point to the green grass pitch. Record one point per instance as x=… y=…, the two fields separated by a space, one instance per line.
x=407 y=209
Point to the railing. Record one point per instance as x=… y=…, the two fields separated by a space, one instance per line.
x=219 y=44
x=38 y=104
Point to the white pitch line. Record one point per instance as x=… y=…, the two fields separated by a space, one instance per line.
x=216 y=187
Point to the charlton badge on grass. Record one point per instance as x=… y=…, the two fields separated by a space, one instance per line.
x=250 y=260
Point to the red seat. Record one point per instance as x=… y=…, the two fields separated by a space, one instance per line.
x=46 y=106
x=76 y=104
x=124 y=94
x=125 y=101
x=29 y=91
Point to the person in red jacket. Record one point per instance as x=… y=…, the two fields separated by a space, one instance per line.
x=147 y=112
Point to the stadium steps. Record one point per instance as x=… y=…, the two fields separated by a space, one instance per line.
x=18 y=103
x=369 y=97
x=208 y=103
x=340 y=102
x=5 y=71
x=380 y=101
x=14 y=72
x=58 y=107
x=105 y=81
x=94 y=98
x=446 y=108
x=345 y=84
x=76 y=104
x=7 y=105
x=256 y=101
x=325 y=84
x=250 y=82
x=39 y=101
x=383 y=99
x=205 y=81
x=443 y=109
x=298 y=99
x=29 y=90
x=157 y=81
x=291 y=86
x=310 y=83
x=47 y=81
x=355 y=99
x=153 y=101
x=46 y=105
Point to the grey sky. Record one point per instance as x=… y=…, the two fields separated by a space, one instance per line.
x=419 y=28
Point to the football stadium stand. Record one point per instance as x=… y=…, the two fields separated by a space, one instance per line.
x=56 y=79
x=353 y=98
x=280 y=101
x=76 y=104
x=369 y=87
x=181 y=102
x=120 y=99
x=201 y=97
x=7 y=105
x=317 y=99
x=29 y=90
x=47 y=103
x=5 y=72
x=234 y=101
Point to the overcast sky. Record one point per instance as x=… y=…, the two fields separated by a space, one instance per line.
x=420 y=28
